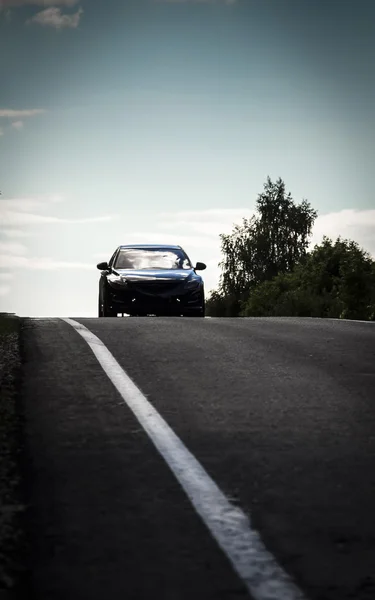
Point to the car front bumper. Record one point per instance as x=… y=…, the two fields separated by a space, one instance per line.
x=129 y=302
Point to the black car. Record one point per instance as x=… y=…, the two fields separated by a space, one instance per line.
x=151 y=279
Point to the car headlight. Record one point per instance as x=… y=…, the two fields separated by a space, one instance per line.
x=117 y=279
x=193 y=284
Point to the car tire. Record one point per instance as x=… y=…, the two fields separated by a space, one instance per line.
x=104 y=310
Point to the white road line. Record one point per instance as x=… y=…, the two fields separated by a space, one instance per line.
x=229 y=525
x=350 y=321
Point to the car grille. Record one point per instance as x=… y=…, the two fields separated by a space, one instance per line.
x=155 y=287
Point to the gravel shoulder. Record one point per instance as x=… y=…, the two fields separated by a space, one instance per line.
x=11 y=505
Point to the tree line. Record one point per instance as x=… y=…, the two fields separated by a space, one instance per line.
x=268 y=270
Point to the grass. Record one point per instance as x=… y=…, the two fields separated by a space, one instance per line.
x=11 y=508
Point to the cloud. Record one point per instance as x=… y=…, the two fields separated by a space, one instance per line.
x=19 y=212
x=353 y=224
x=17 y=116
x=20 y=114
x=10 y=261
x=17 y=125
x=53 y=17
x=23 y=204
x=30 y=203
x=14 y=233
x=358 y=225
x=4 y=290
x=44 y=3
x=13 y=248
x=210 y=222
x=28 y=211
x=209 y=214
x=22 y=218
x=159 y=237
x=227 y=2
x=6 y=276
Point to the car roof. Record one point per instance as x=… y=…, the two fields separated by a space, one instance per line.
x=150 y=246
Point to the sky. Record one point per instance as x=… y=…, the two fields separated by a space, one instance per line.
x=142 y=121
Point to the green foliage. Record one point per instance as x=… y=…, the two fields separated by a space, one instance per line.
x=220 y=305
x=271 y=242
x=8 y=324
x=267 y=270
x=335 y=280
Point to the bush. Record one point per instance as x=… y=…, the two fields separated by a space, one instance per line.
x=335 y=280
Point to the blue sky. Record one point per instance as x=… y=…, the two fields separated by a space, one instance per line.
x=158 y=121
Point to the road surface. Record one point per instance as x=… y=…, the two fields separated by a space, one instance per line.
x=280 y=413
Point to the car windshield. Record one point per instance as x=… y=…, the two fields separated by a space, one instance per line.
x=152 y=258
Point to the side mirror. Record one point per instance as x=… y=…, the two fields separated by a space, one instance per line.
x=103 y=266
x=200 y=266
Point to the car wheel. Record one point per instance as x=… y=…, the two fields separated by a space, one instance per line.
x=104 y=310
x=99 y=308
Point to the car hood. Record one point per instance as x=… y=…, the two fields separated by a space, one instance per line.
x=156 y=275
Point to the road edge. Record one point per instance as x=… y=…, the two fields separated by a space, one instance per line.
x=13 y=544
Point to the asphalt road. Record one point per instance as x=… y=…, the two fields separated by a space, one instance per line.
x=280 y=413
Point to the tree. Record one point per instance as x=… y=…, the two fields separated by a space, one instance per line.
x=336 y=279
x=269 y=243
x=346 y=271
x=219 y=305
